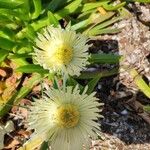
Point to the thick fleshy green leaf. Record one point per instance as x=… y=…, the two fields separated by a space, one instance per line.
x=70 y=8
x=54 y=4
x=98 y=18
x=3 y=55
x=30 y=33
x=17 y=56
x=72 y=82
x=93 y=5
x=20 y=61
x=31 y=69
x=147 y=108
x=36 y=25
x=6 y=44
x=94 y=74
x=52 y=19
x=7 y=33
x=12 y=25
x=93 y=83
x=44 y=146
x=37 y=9
x=108 y=6
x=80 y=24
x=5 y=19
x=23 y=46
x=107 y=23
x=140 y=82
x=26 y=32
x=85 y=15
x=104 y=58
x=95 y=29
x=103 y=31
x=14 y=13
x=10 y=4
x=94 y=18
x=124 y=13
x=51 y=76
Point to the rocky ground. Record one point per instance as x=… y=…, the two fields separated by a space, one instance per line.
x=126 y=125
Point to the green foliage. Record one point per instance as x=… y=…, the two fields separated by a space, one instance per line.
x=31 y=68
x=93 y=83
x=147 y=108
x=140 y=83
x=22 y=19
x=69 y=9
x=95 y=74
x=20 y=93
x=104 y=58
x=3 y=55
x=10 y=4
x=44 y=146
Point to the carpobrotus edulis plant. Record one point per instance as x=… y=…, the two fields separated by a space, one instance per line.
x=61 y=50
x=66 y=118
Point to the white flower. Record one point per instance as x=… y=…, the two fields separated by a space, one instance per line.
x=66 y=118
x=60 y=50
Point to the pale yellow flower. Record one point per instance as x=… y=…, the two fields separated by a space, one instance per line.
x=66 y=118
x=60 y=50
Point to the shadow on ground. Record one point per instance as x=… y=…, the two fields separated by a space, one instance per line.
x=120 y=119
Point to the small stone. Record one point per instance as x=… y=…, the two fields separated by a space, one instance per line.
x=99 y=86
x=124 y=112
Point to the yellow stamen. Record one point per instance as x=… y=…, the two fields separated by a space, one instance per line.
x=62 y=55
x=67 y=116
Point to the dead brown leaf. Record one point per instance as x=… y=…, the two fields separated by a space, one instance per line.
x=5 y=72
x=13 y=144
x=145 y=116
x=24 y=133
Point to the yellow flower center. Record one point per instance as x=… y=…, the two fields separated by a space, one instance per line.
x=63 y=55
x=67 y=116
